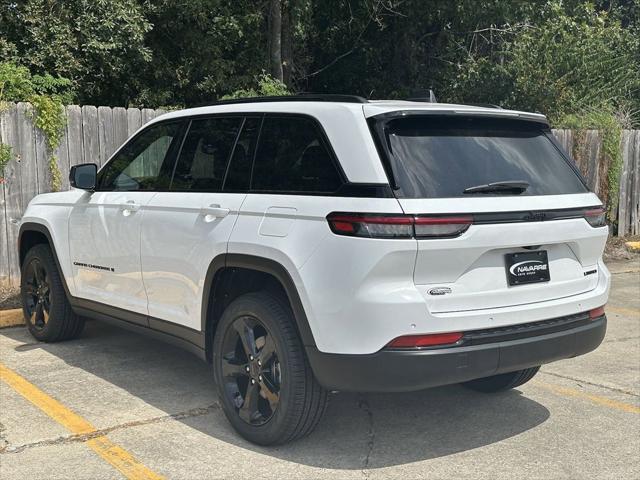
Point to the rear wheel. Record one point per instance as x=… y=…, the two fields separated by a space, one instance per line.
x=504 y=381
x=264 y=381
x=46 y=309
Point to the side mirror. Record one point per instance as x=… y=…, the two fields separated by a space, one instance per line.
x=84 y=176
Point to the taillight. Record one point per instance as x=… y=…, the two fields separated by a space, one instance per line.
x=421 y=341
x=596 y=313
x=596 y=217
x=426 y=227
x=372 y=226
x=398 y=226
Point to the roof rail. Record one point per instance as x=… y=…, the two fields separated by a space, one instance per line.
x=486 y=105
x=300 y=97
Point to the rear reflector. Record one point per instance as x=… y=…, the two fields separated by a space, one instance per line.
x=398 y=226
x=596 y=313
x=596 y=217
x=419 y=341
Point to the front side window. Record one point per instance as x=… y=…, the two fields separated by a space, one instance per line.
x=144 y=163
x=292 y=156
x=203 y=160
x=440 y=157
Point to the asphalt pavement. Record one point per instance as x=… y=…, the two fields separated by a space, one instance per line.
x=114 y=404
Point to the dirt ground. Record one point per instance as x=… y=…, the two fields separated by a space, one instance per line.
x=9 y=298
x=616 y=249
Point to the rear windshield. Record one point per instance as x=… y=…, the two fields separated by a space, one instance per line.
x=438 y=157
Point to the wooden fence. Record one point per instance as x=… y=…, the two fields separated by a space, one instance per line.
x=92 y=134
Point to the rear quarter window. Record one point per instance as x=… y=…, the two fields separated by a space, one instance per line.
x=440 y=157
x=293 y=156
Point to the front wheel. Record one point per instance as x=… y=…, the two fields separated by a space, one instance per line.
x=503 y=381
x=47 y=311
x=264 y=381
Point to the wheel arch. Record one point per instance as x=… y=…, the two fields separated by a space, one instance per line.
x=33 y=233
x=251 y=273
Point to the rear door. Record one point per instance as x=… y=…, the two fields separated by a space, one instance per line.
x=188 y=225
x=294 y=183
x=523 y=240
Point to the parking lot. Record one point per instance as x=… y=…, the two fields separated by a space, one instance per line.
x=114 y=404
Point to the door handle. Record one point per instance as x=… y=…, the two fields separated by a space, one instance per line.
x=129 y=207
x=213 y=211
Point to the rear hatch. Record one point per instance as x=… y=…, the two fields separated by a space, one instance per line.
x=516 y=222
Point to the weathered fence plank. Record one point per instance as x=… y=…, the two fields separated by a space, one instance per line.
x=27 y=149
x=93 y=134
x=62 y=156
x=75 y=137
x=626 y=180
x=635 y=189
x=12 y=191
x=43 y=172
x=105 y=134
x=134 y=121
x=120 y=129
x=90 y=134
x=4 y=240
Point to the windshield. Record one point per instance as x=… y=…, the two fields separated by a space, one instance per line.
x=438 y=157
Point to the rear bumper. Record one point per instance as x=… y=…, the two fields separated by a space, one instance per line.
x=481 y=356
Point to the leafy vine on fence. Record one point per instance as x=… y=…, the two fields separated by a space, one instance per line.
x=48 y=116
x=610 y=128
x=47 y=95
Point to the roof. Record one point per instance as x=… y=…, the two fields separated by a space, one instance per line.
x=314 y=103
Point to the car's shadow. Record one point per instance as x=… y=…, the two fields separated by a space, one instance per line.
x=358 y=430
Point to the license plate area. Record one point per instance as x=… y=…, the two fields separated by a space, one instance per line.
x=527 y=267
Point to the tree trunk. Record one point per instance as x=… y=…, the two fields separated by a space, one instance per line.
x=287 y=44
x=275 y=40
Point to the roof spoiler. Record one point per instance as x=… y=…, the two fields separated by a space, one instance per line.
x=423 y=96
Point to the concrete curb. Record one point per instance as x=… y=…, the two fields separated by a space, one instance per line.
x=11 y=318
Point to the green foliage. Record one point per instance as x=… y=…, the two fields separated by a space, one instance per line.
x=17 y=84
x=98 y=45
x=46 y=94
x=555 y=56
x=267 y=86
x=610 y=128
x=50 y=119
x=560 y=61
x=6 y=154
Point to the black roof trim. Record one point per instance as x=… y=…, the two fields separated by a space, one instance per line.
x=301 y=97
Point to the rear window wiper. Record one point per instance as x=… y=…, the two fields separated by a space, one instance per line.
x=510 y=186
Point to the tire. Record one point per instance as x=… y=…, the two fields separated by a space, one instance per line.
x=265 y=418
x=47 y=312
x=502 y=382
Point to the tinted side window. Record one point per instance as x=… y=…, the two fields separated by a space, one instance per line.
x=292 y=157
x=202 y=163
x=239 y=170
x=145 y=162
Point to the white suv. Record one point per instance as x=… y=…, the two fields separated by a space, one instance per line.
x=315 y=243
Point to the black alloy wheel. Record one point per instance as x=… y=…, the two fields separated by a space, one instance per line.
x=37 y=294
x=264 y=381
x=251 y=370
x=47 y=311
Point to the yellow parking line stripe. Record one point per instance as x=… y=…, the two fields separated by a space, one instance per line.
x=632 y=312
x=115 y=455
x=604 y=401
